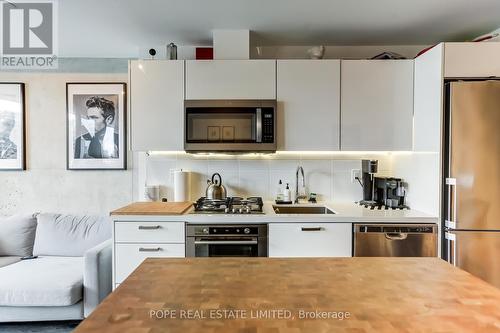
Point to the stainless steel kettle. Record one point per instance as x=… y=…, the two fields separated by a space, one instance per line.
x=215 y=189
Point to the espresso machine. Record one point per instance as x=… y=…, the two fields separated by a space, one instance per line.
x=390 y=192
x=381 y=192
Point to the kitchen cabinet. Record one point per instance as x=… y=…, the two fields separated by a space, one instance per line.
x=310 y=240
x=129 y=256
x=134 y=241
x=428 y=100
x=471 y=60
x=231 y=79
x=156 y=104
x=376 y=105
x=308 y=96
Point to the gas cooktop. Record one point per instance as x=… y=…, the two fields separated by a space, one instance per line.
x=230 y=205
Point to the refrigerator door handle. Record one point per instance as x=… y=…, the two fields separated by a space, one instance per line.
x=451 y=248
x=451 y=219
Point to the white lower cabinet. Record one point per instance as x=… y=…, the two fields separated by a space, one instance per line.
x=310 y=240
x=135 y=241
x=129 y=256
x=149 y=232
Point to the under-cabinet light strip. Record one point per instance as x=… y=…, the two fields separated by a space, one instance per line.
x=289 y=153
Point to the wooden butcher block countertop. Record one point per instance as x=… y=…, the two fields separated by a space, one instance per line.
x=274 y=295
x=154 y=208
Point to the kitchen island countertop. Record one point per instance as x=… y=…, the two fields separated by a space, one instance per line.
x=298 y=295
x=347 y=212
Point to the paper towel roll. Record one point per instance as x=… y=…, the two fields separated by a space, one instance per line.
x=182 y=185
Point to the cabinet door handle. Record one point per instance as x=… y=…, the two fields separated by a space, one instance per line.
x=149 y=227
x=312 y=228
x=149 y=249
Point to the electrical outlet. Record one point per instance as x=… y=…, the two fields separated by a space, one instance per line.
x=355 y=173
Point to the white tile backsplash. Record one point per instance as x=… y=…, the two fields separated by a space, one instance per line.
x=327 y=176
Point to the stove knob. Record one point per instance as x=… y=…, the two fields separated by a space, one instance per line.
x=240 y=210
x=226 y=210
x=234 y=211
x=246 y=230
x=248 y=210
x=205 y=230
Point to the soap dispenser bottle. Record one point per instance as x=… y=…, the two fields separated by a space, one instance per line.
x=279 y=191
x=286 y=194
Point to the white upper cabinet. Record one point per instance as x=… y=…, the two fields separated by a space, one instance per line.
x=231 y=79
x=428 y=102
x=308 y=94
x=156 y=104
x=376 y=105
x=471 y=60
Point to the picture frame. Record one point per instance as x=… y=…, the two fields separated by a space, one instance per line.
x=96 y=130
x=12 y=126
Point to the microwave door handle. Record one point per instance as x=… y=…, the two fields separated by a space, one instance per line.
x=258 y=125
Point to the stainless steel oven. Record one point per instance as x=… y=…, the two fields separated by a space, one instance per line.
x=230 y=125
x=226 y=240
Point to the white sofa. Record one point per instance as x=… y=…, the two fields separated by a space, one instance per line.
x=71 y=275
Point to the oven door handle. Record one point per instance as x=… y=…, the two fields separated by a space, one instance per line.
x=226 y=242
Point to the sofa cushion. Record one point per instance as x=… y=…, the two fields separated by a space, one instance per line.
x=17 y=234
x=69 y=235
x=44 y=281
x=4 y=261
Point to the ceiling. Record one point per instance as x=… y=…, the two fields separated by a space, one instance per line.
x=119 y=28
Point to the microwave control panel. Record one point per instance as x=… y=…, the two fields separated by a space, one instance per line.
x=267 y=125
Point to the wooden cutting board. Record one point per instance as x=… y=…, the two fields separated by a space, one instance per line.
x=154 y=208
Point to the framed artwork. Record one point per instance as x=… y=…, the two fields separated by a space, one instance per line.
x=96 y=126
x=12 y=127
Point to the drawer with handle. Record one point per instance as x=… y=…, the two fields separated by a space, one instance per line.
x=310 y=240
x=154 y=232
x=129 y=256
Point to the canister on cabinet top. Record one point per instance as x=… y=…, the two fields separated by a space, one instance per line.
x=172 y=51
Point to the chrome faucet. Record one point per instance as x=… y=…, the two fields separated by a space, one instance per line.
x=297 y=196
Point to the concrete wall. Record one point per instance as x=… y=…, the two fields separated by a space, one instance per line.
x=46 y=185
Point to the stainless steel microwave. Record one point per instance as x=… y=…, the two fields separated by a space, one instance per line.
x=230 y=125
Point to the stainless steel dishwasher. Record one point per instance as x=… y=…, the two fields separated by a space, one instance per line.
x=395 y=240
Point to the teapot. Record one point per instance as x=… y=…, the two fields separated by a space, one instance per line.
x=215 y=189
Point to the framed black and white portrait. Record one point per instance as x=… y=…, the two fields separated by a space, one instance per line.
x=12 y=127
x=96 y=135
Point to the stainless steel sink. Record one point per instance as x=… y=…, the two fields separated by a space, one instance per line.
x=302 y=210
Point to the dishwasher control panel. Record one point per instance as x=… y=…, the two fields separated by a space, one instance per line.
x=404 y=229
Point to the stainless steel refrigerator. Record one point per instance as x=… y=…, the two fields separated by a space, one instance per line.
x=472 y=183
